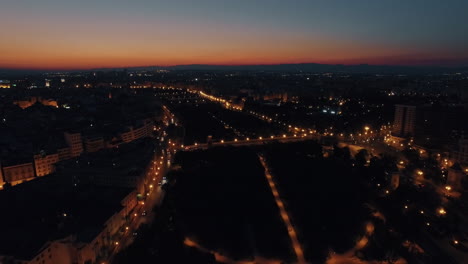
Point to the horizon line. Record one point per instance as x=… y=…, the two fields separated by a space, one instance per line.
x=421 y=65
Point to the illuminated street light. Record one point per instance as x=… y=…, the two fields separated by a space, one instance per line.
x=442 y=211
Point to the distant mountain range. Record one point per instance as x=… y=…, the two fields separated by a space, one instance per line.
x=300 y=67
x=307 y=67
x=15 y=72
x=315 y=67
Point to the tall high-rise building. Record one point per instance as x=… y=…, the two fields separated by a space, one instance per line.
x=405 y=120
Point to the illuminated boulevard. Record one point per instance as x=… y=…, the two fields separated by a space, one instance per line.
x=143 y=212
x=284 y=215
x=250 y=142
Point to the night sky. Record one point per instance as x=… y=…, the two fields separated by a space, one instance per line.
x=65 y=34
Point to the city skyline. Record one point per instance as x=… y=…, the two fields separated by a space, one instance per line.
x=70 y=35
x=173 y=165
x=233 y=132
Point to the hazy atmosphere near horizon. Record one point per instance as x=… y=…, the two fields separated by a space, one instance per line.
x=56 y=34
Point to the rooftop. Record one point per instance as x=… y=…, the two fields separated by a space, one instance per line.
x=126 y=159
x=53 y=207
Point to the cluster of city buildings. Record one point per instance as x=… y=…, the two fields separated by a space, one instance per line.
x=81 y=213
x=74 y=172
x=28 y=102
x=16 y=171
x=5 y=84
x=40 y=128
x=430 y=130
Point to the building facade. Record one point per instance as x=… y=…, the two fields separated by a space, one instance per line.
x=143 y=129
x=75 y=143
x=63 y=153
x=93 y=144
x=2 y=180
x=45 y=163
x=32 y=100
x=404 y=123
x=16 y=174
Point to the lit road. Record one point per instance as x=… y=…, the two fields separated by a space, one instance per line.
x=154 y=199
x=257 y=141
x=143 y=212
x=284 y=215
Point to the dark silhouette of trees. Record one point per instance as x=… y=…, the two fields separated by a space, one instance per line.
x=361 y=157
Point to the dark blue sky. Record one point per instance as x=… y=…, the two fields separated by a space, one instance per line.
x=93 y=33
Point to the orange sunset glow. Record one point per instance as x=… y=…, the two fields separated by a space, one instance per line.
x=55 y=35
